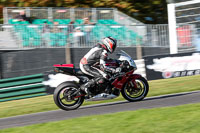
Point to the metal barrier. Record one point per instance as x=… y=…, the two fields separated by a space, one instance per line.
x=59 y=13
x=73 y=36
x=38 y=32
x=22 y=87
x=52 y=13
x=8 y=38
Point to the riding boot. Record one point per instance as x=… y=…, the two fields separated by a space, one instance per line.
x=87 y=85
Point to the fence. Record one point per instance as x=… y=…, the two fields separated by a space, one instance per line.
x=52 y=13
x=146 y=35
x=59 y=13
x=22 y=87
x=108 y=22
x=8 y=39
x=60 y=35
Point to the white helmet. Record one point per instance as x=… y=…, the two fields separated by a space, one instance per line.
x=110 y=44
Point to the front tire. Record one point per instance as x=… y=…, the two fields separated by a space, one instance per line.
x=64 y=100
x=135 y=93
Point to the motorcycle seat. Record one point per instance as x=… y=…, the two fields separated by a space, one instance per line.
x=78 y=72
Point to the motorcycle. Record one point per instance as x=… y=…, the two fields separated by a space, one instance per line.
x=133 y=87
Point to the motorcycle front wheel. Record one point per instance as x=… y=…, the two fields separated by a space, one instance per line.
x=64 y=97
x=135 y=91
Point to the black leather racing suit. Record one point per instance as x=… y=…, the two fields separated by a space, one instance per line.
x=97 y=54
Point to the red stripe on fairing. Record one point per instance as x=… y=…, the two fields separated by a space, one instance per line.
x=63 y=65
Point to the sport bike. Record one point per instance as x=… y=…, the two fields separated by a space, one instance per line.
x=133 y=87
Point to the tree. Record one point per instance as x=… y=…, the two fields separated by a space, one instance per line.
x=146 y=11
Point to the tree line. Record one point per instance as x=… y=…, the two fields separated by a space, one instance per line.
x=146 y=11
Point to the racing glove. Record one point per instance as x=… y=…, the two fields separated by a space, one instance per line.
x=118 y=70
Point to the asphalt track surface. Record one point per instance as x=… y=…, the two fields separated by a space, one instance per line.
x=56 y=115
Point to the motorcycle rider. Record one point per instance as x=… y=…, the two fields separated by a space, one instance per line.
x=98 y=54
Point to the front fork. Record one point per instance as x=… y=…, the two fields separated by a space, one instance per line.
x=133 y=83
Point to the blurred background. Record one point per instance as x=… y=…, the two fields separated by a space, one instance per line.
x=35 y=35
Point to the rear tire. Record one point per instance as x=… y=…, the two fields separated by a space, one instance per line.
x=63 y=99
x=138 y=93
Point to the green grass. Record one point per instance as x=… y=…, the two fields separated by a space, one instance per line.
x=46 y=103
x=179 y=119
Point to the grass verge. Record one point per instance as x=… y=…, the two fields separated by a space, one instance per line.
x=46 y=103
x=179 y=119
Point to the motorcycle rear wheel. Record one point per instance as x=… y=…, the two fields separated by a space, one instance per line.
x=64 y=100
x=135 y=93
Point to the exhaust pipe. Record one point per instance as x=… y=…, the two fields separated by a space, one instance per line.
x=102 y=96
